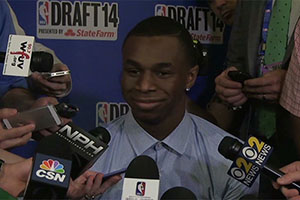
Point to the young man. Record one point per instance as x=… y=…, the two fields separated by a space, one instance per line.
x=159 y=65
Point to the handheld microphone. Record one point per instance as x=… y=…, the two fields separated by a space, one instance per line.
x=40 y=61
x=50 y=175
x=20 y=60
x=101 y=133
x=232 y=149
x=86 y=148
x=178 y=193
x=141 y=179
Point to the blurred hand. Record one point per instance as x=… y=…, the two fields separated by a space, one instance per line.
x=292 y=175
x=90 y=183
x=13 y=177
x=43 y=102
x=15 y=136
x=230 y=91
x=267 y=87
x=56 y=86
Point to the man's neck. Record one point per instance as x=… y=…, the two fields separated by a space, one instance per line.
x=164 y=128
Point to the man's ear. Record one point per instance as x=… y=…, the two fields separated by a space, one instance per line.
x=192 y=76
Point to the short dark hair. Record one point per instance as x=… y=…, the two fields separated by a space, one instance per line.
x=165 y=26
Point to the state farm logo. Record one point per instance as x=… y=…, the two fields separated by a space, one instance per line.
x=80 y=20
x=51 y=170
x=70 y=32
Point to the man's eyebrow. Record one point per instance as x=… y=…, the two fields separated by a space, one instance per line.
x=131 y=62
x=157 y=65
x=163 y=65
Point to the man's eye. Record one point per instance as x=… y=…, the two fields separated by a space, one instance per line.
x=163 y=74
x=133 y=72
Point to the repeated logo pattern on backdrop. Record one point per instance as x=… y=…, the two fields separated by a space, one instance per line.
x=77 y=20
x=88 y=36
x=202 y=24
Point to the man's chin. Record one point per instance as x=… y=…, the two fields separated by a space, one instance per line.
x=147 y=118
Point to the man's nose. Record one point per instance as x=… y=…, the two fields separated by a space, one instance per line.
x=145 y=83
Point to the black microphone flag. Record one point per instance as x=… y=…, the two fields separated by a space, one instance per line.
x=50 y=175
x=40 y=61
x=141 y=179
x=249 y=159
x=86 y=147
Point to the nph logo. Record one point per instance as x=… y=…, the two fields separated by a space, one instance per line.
x=51 y=170
x=140 y=188
x=106 y=112
x=82 y=140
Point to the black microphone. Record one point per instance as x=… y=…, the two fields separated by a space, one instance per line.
x=40 y=61
x=50 y=175
x=141 y=179
x=101 y=133
x=178 y=193
x=86 y=147
x=230 y=148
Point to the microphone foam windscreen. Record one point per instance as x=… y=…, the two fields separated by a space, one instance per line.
x=178 y=193
x=229 y=147
x=41 y=61
x=101 y=133
x=142 y=167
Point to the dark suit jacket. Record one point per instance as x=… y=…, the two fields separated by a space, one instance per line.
x=246 y=36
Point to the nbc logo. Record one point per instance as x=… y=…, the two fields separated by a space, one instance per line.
x=51 y=170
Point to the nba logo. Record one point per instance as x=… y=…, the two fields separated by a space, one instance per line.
x=43 y=10
x=160 y=10
x=102 y=112
x=140 y=188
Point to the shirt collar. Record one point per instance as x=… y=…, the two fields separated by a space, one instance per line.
x=140 y=140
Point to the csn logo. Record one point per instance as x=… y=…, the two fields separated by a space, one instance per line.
x=140 y=188
x=43 y=10
x=51 y=170
x=106 y=112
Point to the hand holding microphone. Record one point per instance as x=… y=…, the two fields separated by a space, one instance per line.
x=249 y=160
x=90 y=184
x=20 y=60
x=292 y=174
x=16 y=136
x=56 y=82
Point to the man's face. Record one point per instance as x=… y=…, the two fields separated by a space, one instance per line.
x=224 y=9
x=154 y=77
